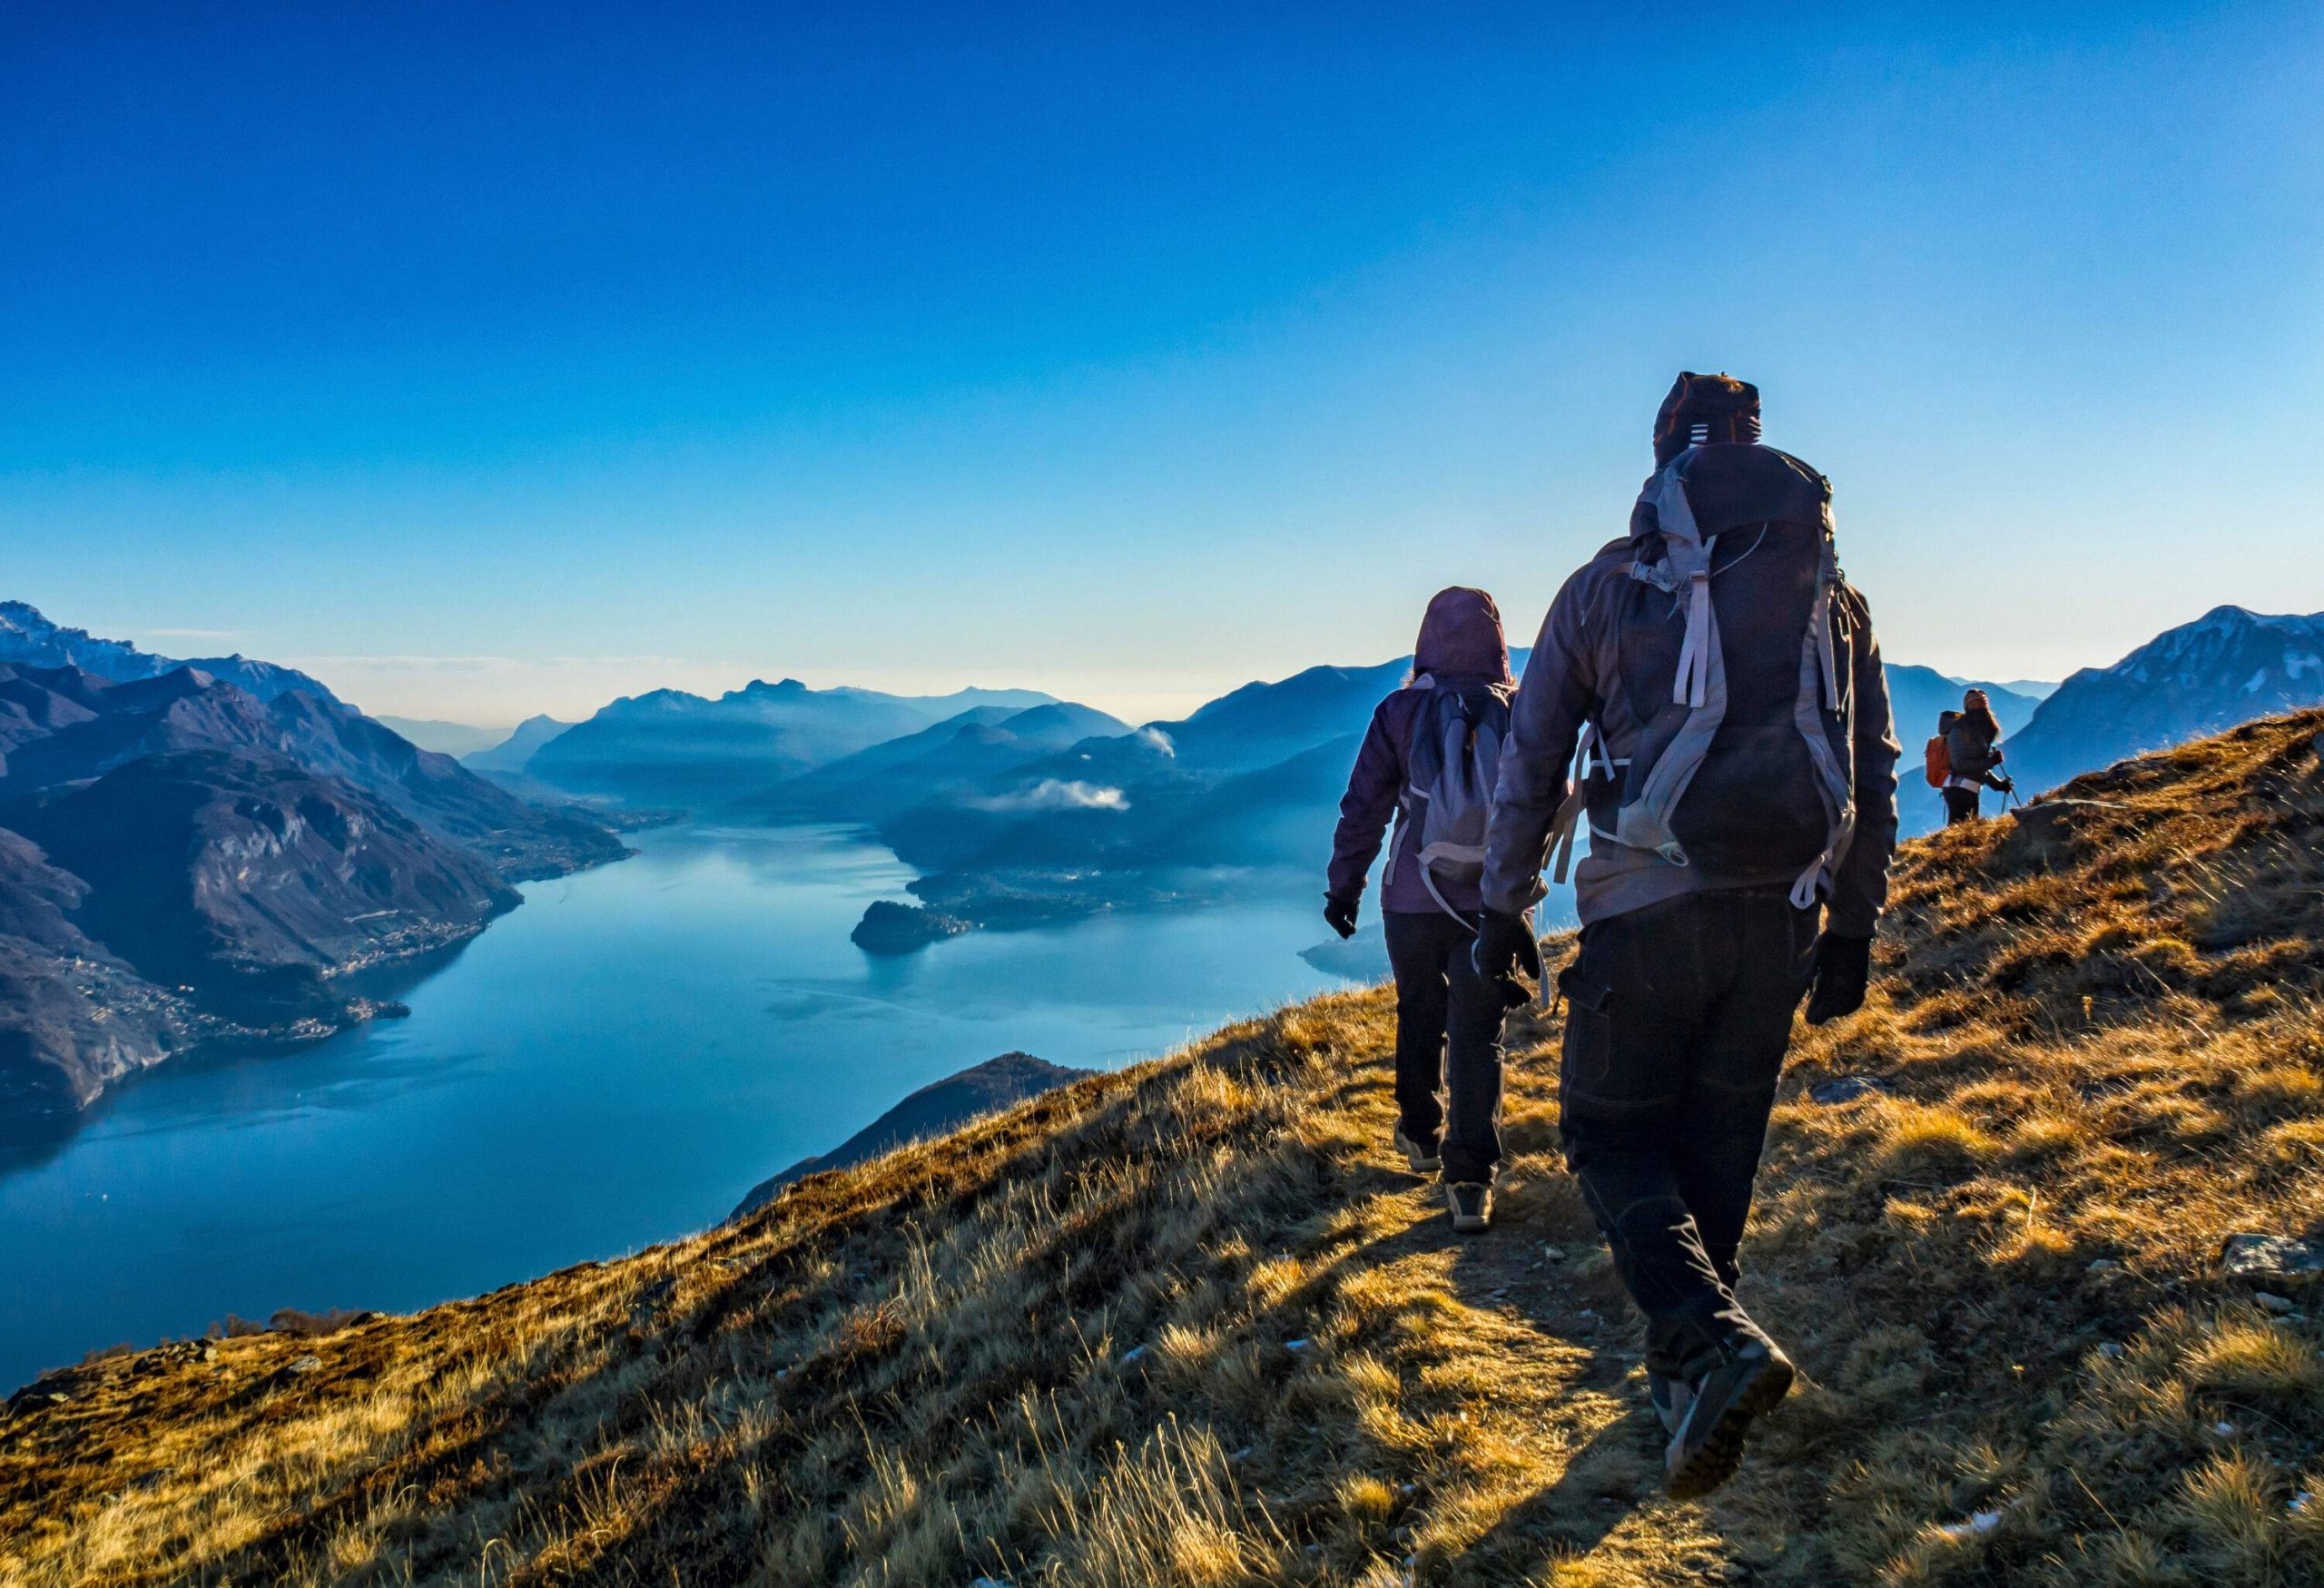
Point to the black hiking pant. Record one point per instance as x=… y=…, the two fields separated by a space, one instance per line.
x=1960 y=804
x=1677 y=1020
x=1448 y=1033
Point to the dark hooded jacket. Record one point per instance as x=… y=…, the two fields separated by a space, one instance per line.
x=1461 y=646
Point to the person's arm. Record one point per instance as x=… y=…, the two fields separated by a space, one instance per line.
x=1860 y=890
x=1366 y=807
x=1553 y=701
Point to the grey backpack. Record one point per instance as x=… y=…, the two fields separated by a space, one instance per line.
x=1456 y=761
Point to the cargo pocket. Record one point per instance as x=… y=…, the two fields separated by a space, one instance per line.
x=1587 y=1060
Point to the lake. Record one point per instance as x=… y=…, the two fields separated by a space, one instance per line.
x=615 y=1064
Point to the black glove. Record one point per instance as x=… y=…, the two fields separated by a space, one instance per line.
x=1506 y=945
x=1843 y=969
x=1339 y=914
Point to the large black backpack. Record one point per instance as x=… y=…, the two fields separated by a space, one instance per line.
x=1726 y=653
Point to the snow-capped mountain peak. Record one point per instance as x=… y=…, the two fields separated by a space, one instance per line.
x=29 y=638
x=2226 y=667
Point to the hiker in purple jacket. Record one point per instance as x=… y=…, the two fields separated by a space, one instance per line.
x=1448 y=1017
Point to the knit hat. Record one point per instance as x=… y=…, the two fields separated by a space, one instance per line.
x=1703 y=408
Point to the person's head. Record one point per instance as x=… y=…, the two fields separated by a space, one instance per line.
x=1978 y=710
x=1704 y=408
x=1461 y=637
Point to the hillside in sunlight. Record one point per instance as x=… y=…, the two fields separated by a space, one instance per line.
x=1192 y=1323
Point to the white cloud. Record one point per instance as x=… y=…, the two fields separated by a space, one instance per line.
x=1053 y=794
x=1155 y=738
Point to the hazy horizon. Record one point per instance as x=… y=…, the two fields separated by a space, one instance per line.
x=490 y=363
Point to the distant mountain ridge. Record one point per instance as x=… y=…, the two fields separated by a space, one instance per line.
x=2227 y=667
x=1242 y=792
x=30 y=639
x=457 y=740
x=511 y=754
x=670 y=747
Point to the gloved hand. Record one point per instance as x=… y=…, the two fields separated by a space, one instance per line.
x=1339 y=914
x=1843 y=969
x=1506 y=945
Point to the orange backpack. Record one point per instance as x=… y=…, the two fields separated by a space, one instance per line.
x=1940 y=760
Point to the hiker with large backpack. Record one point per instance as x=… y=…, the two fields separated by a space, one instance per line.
x=1720 y=683
x=1428 y=762
x=1968 y=745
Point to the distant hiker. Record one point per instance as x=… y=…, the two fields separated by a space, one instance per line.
x=1971 y=755
x=1722 y=684
x=1428 y=760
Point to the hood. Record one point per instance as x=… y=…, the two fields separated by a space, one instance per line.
x=1461 y=636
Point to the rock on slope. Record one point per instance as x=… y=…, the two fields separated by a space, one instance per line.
x=1191 y=1322
x=935 y=1109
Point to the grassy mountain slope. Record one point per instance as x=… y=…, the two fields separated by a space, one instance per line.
x=1190 y=1323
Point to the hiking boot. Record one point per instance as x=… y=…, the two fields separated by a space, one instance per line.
x=1472 y=1206
x=1423 y=1160
x=1749 y=1381
x=1670 y=1397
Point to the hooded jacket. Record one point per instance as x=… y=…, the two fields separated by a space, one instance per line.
x=1461 y=646
x=1576 y=676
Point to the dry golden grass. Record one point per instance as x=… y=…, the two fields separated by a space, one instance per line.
x=1190 y=1324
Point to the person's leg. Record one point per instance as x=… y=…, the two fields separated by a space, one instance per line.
x=1473 y=1066
x=1416 y=953
x=1636 y=1001
x=1960 y=805
x=1747 y=1033
x=1710 y=1371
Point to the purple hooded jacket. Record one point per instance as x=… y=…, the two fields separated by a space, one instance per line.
x=1461 y=641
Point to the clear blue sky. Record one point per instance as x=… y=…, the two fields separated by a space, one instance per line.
x=493 y=358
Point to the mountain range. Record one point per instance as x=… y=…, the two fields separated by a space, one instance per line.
x=2227 y=667
x=670 y=747
x=199 y=851
x=1017 y=815
x=185 y=861
x=29 y=639
x=510 y=753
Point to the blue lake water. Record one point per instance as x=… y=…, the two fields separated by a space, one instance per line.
x=615 y=1064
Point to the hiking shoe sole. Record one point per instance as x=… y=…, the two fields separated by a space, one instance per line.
x=1714 y=1460
x=1423 y=1163
x=1470 y=1222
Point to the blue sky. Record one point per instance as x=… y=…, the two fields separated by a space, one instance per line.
x=494 y=359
